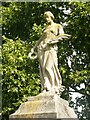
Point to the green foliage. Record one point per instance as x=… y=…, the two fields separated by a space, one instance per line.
x=22 y=26
x=18 y=80
x=77 y=50
x=18 y=17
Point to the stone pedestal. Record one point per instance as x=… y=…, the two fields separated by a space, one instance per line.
x=44 y=105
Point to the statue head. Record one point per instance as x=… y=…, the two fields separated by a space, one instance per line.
x=48 y=16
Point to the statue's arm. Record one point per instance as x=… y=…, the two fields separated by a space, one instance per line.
x=57 y=37
x=60 y=30
x=60 y=35
x=33 y=49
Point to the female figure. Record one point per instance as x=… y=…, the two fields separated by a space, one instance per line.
x=47 y=54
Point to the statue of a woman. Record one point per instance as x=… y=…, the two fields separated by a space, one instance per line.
x=47 y=54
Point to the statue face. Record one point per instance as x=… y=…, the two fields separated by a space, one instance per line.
x=48 y=18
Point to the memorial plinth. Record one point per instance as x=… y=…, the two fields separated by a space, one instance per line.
x=44 y=105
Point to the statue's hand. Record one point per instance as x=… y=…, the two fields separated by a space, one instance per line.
x=53 y=41
x=32 y=50
x=63 y=36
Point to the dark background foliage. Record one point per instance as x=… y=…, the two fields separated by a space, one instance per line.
x=22 y=26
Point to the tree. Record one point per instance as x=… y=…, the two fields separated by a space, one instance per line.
x=19 y=81
x=22 y=25
x=78 y=53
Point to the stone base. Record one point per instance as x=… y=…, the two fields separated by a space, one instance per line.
x=44 y=105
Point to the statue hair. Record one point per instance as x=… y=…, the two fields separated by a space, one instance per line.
x=48 y=13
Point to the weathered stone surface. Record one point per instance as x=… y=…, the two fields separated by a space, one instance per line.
x=44 y=105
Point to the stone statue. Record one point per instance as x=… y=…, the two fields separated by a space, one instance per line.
x=48 y=104
x=47 y=53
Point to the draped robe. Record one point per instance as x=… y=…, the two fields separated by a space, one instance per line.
x=47 y=54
